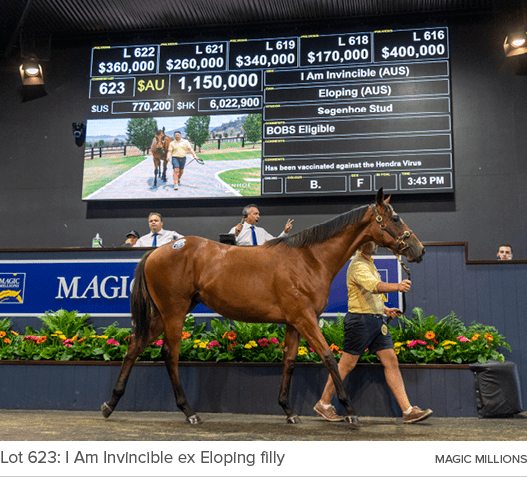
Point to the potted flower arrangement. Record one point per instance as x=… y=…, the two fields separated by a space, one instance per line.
x=424 y=339
x=420 y=339
x=230 y=357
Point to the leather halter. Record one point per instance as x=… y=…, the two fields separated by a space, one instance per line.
x=401 y=245
x=161 y=142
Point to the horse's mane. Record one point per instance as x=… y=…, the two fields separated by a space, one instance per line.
x=322 y=232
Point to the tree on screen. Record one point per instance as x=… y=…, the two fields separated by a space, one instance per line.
x=197 y=129
x=140 y=132
x=252 y=124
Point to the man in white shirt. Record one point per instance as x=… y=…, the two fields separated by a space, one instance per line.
x=157 y=236
x=248 y=234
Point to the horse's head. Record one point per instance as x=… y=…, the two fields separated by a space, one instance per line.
x=158 y=145
x=390 y=231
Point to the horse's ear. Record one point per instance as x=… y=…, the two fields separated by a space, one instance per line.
x=379 y=199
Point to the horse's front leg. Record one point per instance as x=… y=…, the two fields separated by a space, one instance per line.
x=164 y=178
x=171 y=351
x=311 y=332
x=155 y=175
x=292 y=340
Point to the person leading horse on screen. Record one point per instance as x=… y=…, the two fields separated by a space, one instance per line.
x=178 y=150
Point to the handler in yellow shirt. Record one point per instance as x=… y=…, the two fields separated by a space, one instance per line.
x=365 y=326
x=178 y=150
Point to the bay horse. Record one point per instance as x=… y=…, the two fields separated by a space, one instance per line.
x=160 y=145
x=286 y=280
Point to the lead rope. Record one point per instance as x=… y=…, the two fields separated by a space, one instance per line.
x=408 y=275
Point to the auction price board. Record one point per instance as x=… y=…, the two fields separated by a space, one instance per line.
x=341 y=114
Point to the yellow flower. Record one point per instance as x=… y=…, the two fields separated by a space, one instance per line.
x=14 y=333
x=446 y=347
x=195 y=346
x=202 y=345
x=302 y=351
x=61 y=336
x=397 y=345
x=254 y=344
x=248 y=346
x=59 y=332
x=448 y=343
x=197 y=340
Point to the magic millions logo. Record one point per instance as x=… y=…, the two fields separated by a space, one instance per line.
x=12 y=287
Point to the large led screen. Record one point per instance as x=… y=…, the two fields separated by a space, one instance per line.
x=340 y=114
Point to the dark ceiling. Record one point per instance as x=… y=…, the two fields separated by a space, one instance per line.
x=81 y=18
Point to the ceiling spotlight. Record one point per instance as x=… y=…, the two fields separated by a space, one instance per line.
x=515 y=43
x=31 y=72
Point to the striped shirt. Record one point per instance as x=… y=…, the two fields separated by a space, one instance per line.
x=362 y=279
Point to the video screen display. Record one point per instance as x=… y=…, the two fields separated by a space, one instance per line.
x=340 y=114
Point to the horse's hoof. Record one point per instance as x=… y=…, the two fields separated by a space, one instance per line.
x=352 y=420
x=294 y=420
x=195 y=419
x=106 y=410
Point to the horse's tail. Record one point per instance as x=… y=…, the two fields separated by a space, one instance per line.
x=142 y=306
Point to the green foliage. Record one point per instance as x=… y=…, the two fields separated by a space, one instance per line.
x=423 y=339
x=252 y=124
x=67 y=322
x=141 y=132
x=197 y=129
x=420 y=339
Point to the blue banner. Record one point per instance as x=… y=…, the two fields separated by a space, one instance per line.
x=102 y=287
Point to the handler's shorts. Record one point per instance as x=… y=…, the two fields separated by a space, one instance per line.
x=179 y=162
x=364 y=331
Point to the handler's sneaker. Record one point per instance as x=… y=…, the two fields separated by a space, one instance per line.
x=416 y=415
x=175 y=187
x=327 y=413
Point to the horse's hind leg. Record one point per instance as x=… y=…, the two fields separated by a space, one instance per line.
x=311 y=332
x=173 y=331
x=292 y=340
x=155 y=176
x=132 y=353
